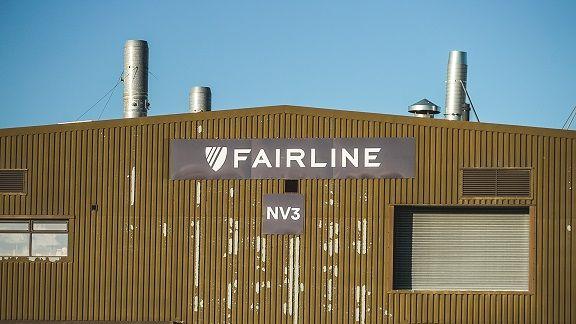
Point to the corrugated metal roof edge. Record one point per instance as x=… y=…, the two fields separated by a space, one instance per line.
x=279 y=109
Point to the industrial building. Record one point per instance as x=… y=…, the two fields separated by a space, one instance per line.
x=402 y=220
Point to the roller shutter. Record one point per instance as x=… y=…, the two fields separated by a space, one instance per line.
x=461 y=249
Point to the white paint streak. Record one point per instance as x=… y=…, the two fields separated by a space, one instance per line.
x=229 y=299
x=268 y=284
x=164 y=230
x=296 y=278
x=257 y=244
x=196 y=253
x=230 y=246
x=360 y=304
x=319 y=223
x=330 y=240
x=198 y=193
x=257 y=288
x=232 y=192
x=235 y=237
x=332 y=244
x=329 y=290
x=363 y=305
x=199 y=129
x=336 y=235
x=364 y=225
x=336 y=246
x=294 y=285
x=290 y=274
x=132 y=185
x=195 y=303
x=263 y=251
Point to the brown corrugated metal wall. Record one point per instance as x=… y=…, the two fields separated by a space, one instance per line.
x=157 y=249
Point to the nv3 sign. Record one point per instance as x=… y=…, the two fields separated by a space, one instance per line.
x=283 y=214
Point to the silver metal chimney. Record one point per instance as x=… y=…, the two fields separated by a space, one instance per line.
x=200 y=99
x=455 y=95
x=135 y=79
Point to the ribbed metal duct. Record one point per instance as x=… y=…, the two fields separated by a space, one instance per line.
x=456 y=77
x=475 y=250
x=135 y=79
x=200 y=99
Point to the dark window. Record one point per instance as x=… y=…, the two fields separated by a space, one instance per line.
x=290 y=185
x=46 y=238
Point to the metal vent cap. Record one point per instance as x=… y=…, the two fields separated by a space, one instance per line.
x=424 y=108
x=200 y=99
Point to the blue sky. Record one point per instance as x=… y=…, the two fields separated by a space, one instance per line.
x=58 y=57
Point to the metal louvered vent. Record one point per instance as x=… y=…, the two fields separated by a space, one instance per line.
x=12 y=181
x=513 y=182
x=486 y=182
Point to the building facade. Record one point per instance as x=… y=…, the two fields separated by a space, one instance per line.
x=92 y=227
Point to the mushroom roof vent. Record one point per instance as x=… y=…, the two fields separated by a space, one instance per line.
x=424 y=107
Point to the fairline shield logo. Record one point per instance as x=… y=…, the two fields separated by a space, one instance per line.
x=216 y=156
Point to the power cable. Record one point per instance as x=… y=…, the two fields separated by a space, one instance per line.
x=570 y=125
x=469 y=99
x=97 y=102
x=107 y=101
x=570 y=119
x=152 y=74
